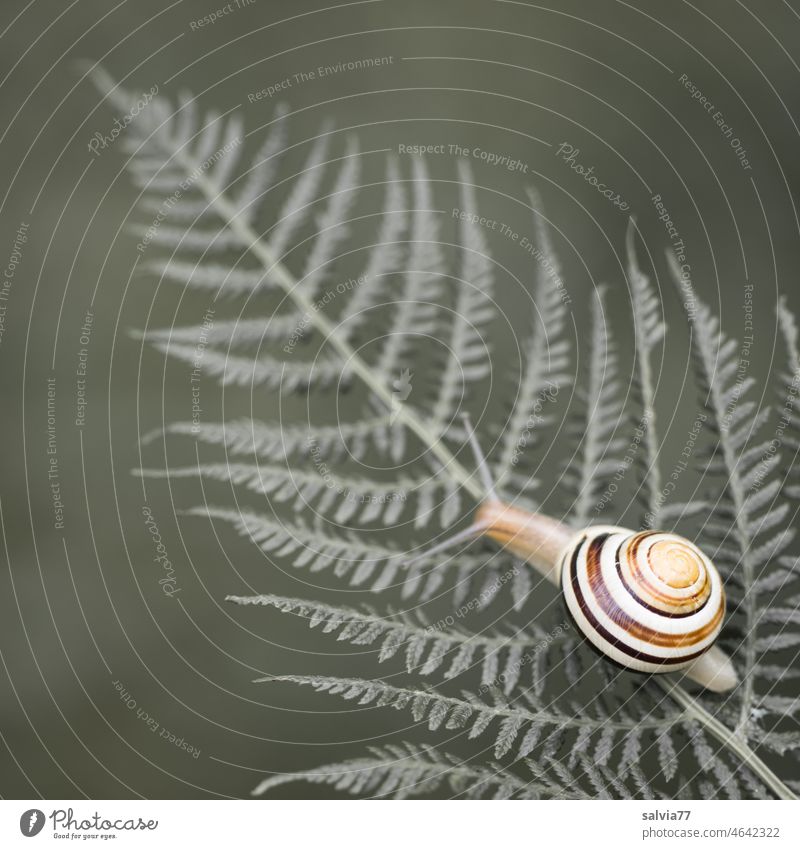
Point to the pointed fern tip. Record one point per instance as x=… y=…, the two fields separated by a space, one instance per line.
x=152 y=435
x=534 y=196
x=83 y=66
x=240 y=599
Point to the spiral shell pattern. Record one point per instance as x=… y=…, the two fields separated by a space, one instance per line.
x=650 y=601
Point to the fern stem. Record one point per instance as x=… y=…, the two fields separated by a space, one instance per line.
x=281 y=274
x=728 y=738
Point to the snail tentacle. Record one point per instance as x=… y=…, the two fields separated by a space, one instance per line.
x=480 y=459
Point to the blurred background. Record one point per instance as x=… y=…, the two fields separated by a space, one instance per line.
x=85 y=627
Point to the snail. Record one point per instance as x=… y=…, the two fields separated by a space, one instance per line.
x=649 y=601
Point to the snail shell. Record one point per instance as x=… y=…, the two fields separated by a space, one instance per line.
x=650 y=601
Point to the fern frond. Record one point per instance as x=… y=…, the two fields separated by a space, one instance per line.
x=331 y=231
x=385 y=257
x=221 y=280
x=426 y=648
x=343 y=498
x=347 y=554
x=467 y=352
x=598 y=447
x=264 y=167
x=723 y=386
x=233 y=370
x=264 y=440
x=230 y=335
x=670 y=515
x=789 y=330
x=225 y=152
x=168 y=146
x=649 y=329
x=415 y=311
x=207 y=241
x=302 y=197
x=309 y=547
x=597 y=746
x=516 y=727
x=183 y=210
x=789 y=423
x=400 y=771
x=546 y=364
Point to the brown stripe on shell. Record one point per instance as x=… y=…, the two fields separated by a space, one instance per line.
x=609 y=637
x=631 y=626
x=704 y=591
x=691 y=603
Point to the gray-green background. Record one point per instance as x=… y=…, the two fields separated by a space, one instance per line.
x=81 y=608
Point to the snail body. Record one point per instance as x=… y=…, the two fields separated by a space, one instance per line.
x=649 y=601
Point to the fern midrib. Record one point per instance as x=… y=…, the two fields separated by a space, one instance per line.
x=251 y=241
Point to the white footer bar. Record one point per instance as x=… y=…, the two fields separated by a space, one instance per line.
x=400 y=825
